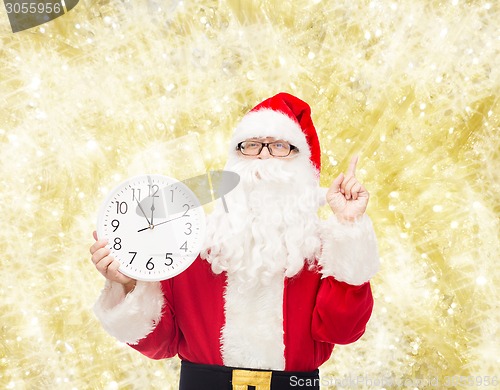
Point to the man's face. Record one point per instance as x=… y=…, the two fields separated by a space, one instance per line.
x=249 y=149
x=275 y=202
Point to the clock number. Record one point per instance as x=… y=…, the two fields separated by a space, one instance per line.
x=155 y=188
x=169 y=259
x=184 y=246
x=133 y=257
x=189 y=228
x=138 y=197
x=121 y=207
x=115 y=223
x=185 y=212
x=172 y=199
x=150 y=265
x=118 y=244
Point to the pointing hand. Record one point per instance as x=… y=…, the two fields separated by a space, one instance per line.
x=347 y=197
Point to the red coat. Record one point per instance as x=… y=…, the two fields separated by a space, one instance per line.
x=317 y=314
x=291 y=324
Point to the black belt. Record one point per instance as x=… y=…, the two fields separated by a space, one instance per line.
x=208 y=377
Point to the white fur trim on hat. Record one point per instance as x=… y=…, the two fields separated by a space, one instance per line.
x=129 y=317
x=349 y=251
x=270 y=123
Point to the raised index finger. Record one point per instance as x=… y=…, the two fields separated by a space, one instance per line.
x=352 y=166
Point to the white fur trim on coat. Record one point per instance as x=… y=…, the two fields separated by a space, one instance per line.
x=253 y=333
x=349 y=251
x=129 y=317
x=270 y=123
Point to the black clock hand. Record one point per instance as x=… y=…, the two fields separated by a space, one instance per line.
x=152 y=210
x=143 y=213
x=161 y=223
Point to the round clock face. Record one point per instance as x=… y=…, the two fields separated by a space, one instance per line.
x=155 y=226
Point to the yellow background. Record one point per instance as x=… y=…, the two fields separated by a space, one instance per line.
x=115 y=88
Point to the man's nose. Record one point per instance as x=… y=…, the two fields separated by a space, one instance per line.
x=264 y=154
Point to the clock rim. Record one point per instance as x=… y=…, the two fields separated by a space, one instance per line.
x=100 y=227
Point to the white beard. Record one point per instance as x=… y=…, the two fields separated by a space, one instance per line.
x=272 y=224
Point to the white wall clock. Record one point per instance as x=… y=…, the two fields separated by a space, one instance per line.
x=155 y=226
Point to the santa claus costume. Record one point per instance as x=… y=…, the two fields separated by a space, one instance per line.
x=275 y=287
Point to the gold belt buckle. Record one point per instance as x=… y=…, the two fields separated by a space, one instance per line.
x=244 y=378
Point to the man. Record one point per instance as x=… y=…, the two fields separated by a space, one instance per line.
x=275 y=288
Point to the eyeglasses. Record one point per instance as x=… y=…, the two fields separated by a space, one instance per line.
x=276 y=149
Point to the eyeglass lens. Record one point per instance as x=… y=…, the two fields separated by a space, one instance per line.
x=279 y=149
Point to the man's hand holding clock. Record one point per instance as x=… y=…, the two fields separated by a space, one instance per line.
x=107 y=265
x=150 y=228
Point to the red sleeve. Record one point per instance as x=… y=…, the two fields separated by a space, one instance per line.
x=163 y=341
x=341 y=311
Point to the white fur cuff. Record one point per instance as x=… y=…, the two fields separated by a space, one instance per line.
x=129 y=317
x=349 y=252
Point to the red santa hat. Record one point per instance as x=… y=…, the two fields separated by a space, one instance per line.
x=285 y=117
